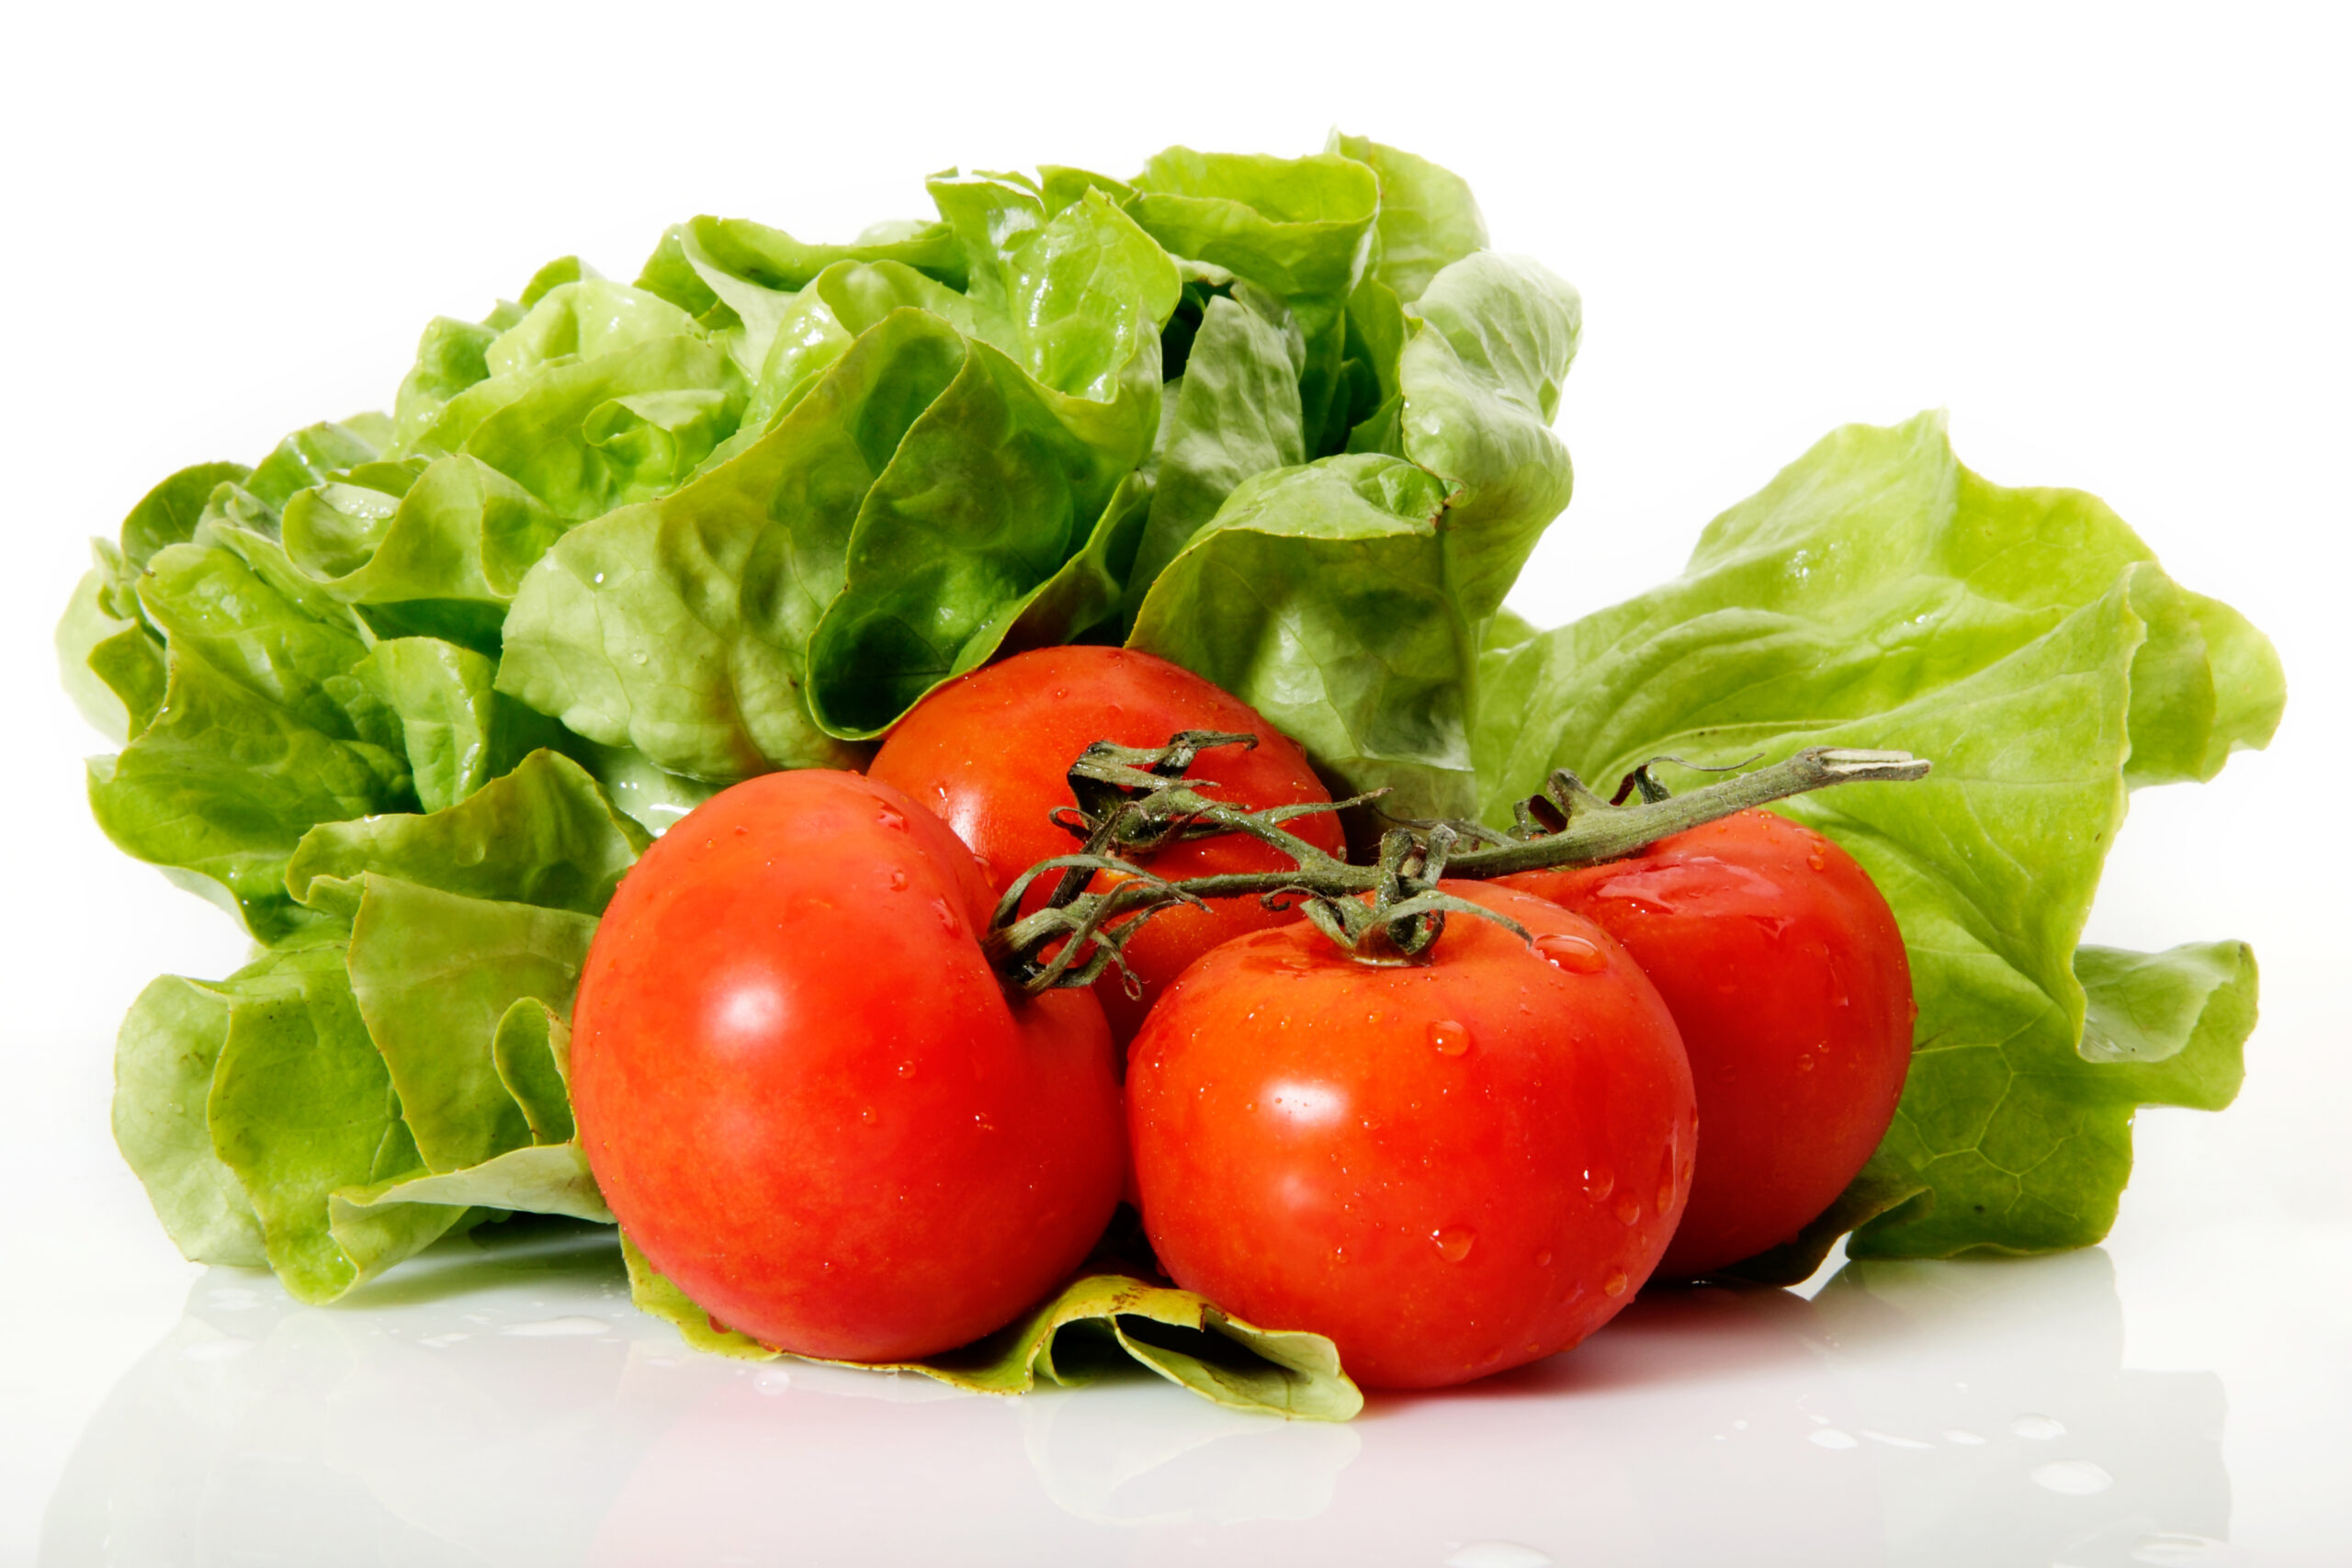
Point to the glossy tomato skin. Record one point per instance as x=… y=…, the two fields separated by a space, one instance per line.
x=1449 y=1168
x=1784 y=969
x=990 y=753
x=807 y=1098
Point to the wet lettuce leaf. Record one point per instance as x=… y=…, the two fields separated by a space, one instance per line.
x=680 y=627
x=1237 y=414
x=1319 y=595
x=545 y=834
x=220 y=787
x=1878 y=594
x=1069 y=1338
x=443 y=559
x=1302 y=229
x=1347 y=600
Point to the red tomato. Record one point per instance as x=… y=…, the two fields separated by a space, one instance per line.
x=807 y=1098
x=992 y=752
x=1784 y=969
x=1449 y=1167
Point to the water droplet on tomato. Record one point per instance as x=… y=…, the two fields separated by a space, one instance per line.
x=1805 y=1064
x=1299 y=961
x=1543 y=1259
x=1450 y=1038
x=1573 y=954
x=1454 y=1245
x=906 y=1069
x=1665 y=1180
x=947 y=916
x=1614 y=1285
x=866 y=1116
x=1629 y=1211
x=897 y=880
x=892 y=817
x=1600 y=1183
x=981 y=1120
x=1818 y=861
x=740 y=831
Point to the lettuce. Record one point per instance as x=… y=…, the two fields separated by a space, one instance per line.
x=1879 y=593
x=410 y=693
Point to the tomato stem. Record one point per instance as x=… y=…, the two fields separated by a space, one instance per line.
x=1135 y=800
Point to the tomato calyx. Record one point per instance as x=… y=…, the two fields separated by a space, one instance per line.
x=1133 y=800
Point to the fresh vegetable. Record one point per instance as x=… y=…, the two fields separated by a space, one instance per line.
x=807 y=1098
x=1787 y=979
x=411 y=693
x=1447 y=1169
x=990 y=753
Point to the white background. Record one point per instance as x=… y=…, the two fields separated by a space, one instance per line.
x=2111 y=242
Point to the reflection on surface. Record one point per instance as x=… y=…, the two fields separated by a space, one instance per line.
x=507 y=1407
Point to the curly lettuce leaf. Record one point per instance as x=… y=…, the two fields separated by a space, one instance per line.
x=1347 y=600
x=168 y=514
x=1300 y=228
x=111 y=663
x=1877 y=593
x=544 y=833
x=1319 y=595
x=1237 y=414
x=680 y=627
x=990 y=490
x=1493 y=339
x=165 y=1058
x=224 y=784
x=457 y=733
x=300 y=1105
x=443 y=559
x=1428 y=220
x=1174 y=1333
x=434 y=975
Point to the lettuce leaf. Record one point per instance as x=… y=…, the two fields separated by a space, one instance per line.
x=680 y=627
x=300 y=1105
x=1877 y=593
x=1174 y=1333
x=1347 y=600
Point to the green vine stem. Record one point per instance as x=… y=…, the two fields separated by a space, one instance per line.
x=1135 y=800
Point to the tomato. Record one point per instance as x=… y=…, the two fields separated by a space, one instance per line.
x=805 y=1094
x=1449 y=1167
x=990 y=753
x=1783 y=966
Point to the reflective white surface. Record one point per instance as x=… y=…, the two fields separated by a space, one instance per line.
x=504 y=1405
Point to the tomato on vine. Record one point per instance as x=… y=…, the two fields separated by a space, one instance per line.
x=1449 y=1167
x=990 y=754
x=1784 y=970
x=809 y=1100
